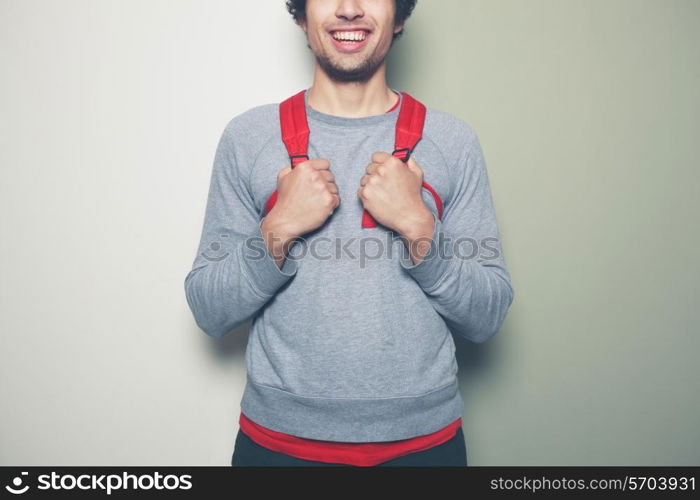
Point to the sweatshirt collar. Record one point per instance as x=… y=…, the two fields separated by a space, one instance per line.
x=341 y=121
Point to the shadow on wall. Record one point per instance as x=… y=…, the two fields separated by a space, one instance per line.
x=473 y=358
x=232 y=345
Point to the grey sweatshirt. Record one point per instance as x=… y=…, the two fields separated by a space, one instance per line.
x=350 y=340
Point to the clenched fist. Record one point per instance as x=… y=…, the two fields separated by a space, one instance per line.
x=306 y=196
x=391 y=192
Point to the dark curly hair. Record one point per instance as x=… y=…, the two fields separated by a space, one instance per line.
x=297 y=8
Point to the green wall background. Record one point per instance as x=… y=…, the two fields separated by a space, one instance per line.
x=588 y=113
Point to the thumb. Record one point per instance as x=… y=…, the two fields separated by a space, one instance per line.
x=413 y=166
x=284 y=172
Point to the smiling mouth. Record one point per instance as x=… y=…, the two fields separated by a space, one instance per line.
x=349 y=41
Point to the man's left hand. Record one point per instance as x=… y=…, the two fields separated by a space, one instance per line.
x=391 y=192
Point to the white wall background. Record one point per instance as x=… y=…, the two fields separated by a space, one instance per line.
x=110 y=115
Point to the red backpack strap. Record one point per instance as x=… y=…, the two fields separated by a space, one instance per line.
x=409 y=126
x=295 y=134
x=409 y=130
x=295 y=128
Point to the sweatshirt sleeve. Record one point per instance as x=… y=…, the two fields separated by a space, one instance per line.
x=233 y=274
x=464 y=274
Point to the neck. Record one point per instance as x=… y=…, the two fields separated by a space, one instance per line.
x=351 y=99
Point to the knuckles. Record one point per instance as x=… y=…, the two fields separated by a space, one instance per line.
x=373 y=180
x=378 y=156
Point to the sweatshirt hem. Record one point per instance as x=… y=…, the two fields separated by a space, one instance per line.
x=352 y=420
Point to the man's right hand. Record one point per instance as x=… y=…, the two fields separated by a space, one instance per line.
x=306 y=196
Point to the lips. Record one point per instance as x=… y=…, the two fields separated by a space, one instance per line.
x=353 y=45
x=350 y=28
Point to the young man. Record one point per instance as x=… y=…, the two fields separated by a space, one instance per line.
x=350 y=358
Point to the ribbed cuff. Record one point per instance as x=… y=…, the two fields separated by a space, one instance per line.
x=260 y=266
x=434 y=265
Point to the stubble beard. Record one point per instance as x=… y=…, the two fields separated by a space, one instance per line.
x=360 y=73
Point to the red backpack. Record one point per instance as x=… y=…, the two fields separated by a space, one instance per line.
x=295 y=134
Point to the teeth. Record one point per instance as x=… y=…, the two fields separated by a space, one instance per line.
x=349 y=35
